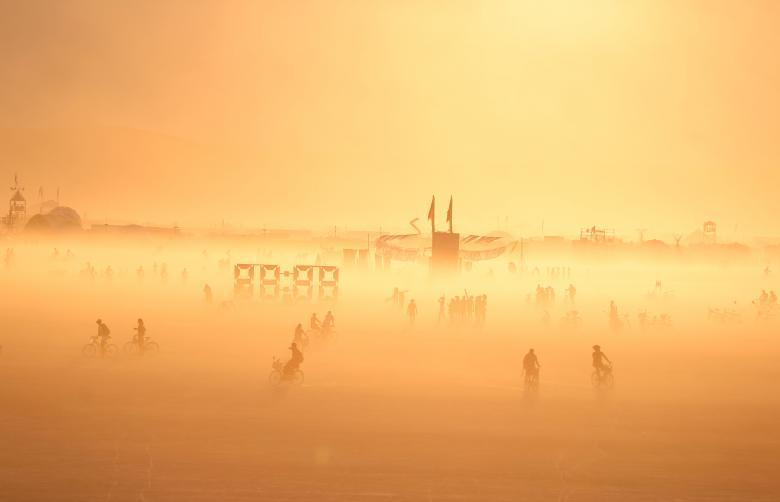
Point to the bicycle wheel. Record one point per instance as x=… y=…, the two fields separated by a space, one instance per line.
x=297 y=377
x=130 y=348
x=111 y=350
x=151 y=348
x=608 y=381
x=89 y=350
x=595 y=379
x=274 y=378
x=531 y=383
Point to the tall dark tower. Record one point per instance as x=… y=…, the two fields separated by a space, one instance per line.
x=445 y=247
x=445 y=253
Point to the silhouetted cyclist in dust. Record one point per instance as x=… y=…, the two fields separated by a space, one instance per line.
x=314 y=323
x=295 y=361
x=299 y=335
x=599 y=359
x=140 y=335
x=531 y=364
x=329 y=322
x=103 y=333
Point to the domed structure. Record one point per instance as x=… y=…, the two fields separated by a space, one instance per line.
x=59 y=219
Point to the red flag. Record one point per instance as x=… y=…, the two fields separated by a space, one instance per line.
x=449 y=214
x=431 y=213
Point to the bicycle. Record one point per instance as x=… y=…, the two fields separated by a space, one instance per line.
x=277 y=375
x=531 y=380
x=147 y=346
x=603 y=378
x=95 y=347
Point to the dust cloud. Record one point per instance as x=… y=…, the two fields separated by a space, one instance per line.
x=389 y=410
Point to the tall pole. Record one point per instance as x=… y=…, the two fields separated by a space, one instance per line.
x=449 y=214
x=432 y=215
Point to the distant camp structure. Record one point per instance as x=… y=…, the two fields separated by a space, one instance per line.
x=59 y=219
x=17 y=207
x=445 y=252
x=597 y=235
x=709 y=232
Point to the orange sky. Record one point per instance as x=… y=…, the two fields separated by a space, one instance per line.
x=657 y=114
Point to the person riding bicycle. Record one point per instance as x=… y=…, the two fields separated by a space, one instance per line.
x=140 y=336
x=329 y=322
x=295 y=361
x=314 y=323
x=103 y=333
x=298 y=337
x=531 y=364
x=599 y=359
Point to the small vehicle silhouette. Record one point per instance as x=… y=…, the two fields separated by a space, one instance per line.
x=94 y=347
x=278 y=375
x=604 y=380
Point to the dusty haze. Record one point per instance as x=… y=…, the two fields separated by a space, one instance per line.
x=652 y=113
x=287 y=132
x=388 y=411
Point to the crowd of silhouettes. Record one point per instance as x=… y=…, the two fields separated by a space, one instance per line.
x=465 y=309
x=766 y=304
x=545 y=296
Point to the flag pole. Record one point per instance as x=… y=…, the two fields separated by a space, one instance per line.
x=449 y=214
x=432 y=214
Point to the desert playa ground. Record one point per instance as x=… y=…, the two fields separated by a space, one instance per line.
x=387 y=412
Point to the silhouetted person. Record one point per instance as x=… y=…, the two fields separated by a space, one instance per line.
x=395 y=296
x=572 y=292
x=614 y=319
x=208 y=296
x=411 y=311
x=295 y=361
x=442 y=313
x=329 y=322
x=531 y=364
x=103 y=333
x=599 y=359
x=314 y=323
x=140 y=336
x=299 y=334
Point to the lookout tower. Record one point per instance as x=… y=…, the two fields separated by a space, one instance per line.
x=17 y=206
x=709 y=232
